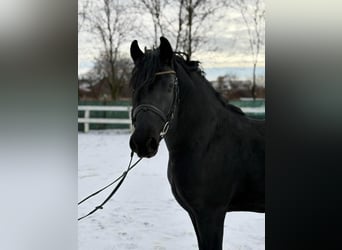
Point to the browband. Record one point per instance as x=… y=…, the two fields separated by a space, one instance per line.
x=165 y=72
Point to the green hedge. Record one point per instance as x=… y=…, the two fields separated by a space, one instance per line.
x=249 y=103
x=259 y=116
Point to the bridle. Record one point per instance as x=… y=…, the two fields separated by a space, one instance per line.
x=149 y=107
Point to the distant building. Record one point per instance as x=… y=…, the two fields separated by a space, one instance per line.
x=236 y=89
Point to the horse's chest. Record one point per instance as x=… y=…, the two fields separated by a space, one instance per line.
x=183 y=175
x=184 y=184
x=195 y=184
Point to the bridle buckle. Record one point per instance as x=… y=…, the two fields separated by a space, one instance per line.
x=164 y=130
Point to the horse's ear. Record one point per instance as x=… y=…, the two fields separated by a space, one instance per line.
x=166 y=51
x=136 y=52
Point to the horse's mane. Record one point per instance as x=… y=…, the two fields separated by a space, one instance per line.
x=148 y=66
x=194 y=66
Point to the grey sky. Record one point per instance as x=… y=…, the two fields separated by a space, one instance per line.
x=227 y=46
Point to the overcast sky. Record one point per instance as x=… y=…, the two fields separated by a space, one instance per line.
x=227 y=46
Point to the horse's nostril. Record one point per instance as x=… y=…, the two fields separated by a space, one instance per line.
x=152 y=144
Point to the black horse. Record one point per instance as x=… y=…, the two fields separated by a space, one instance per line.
x=216 y=153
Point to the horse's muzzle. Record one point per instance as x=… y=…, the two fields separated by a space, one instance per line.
x=144 y=147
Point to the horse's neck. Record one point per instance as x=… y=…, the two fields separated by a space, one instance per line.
x=197 y=115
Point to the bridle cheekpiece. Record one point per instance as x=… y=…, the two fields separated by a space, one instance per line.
x=149 y=107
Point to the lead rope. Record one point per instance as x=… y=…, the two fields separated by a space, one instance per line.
x=121 y=178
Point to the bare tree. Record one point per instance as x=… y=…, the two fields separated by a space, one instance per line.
x=123 y=69
x=154 y=7
x=110 y=22
x=191 y=20
x=82 y=13
x=184 y=21
x=253 y=15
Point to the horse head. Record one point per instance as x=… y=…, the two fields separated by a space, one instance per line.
x=154 y=97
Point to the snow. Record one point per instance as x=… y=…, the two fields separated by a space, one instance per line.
x=143 y=214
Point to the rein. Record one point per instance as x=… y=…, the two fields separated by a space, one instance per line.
x=149 y=107
x=121 y=178
x=142 y=107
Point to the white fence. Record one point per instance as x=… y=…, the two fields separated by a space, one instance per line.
x=87 y=119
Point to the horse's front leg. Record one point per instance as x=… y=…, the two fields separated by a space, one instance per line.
x=210 y=225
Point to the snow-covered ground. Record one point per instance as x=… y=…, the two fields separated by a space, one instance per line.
x=143 y=213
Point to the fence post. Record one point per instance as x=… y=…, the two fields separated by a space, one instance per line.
x=86 y=124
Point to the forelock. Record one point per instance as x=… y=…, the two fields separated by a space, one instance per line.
x=144 y=71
